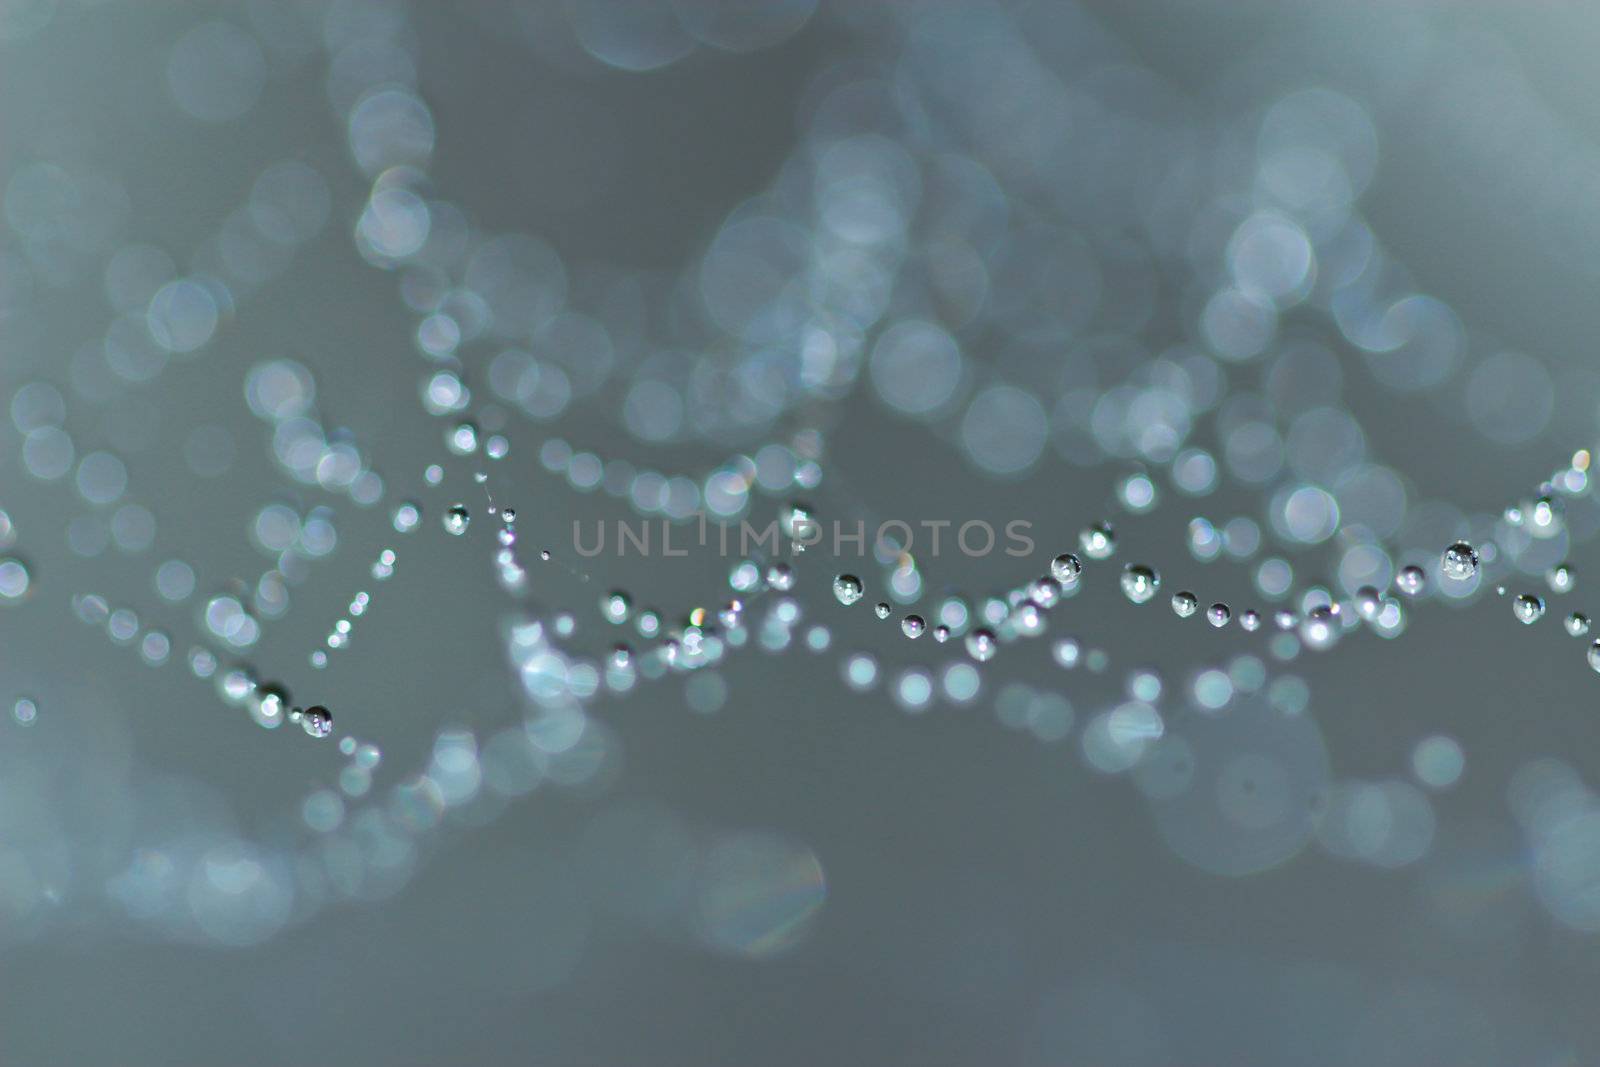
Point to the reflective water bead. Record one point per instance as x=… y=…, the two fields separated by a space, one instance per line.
x=508 y=515
x=981 y=645
x=847 y=589
x=1284 y=619
x=1098 y=540
x=1411 y=580
x=1460 y=561
x=1368 y=602
x=1185 y=604
x=1066 y=568
x=1250 y=619
x=1528 y=608
x=456 y=519
x=1577 y=624
x=1594 y=655
x=882 y=610
x=317 y=721
x=617 y=607
x=1561 y=578
x=1139 y=583
x=780 y=576
x=1045 y=592
x=912 y=626
x=1218 y=615
x=941 y=634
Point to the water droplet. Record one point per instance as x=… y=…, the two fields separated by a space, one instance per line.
x=941 y=634
x=981 y=645
x=1528 y=608
x=1577 y=624
x=1185 y=604
x=317 y=721
x=25 y=711
x=1098 y=540
x=456 y=519
x=1368 y=602
x=1284 y=619
x=912 y=626
x=1250 y=619
x=882 y=610
x=544 y=554
x=480 y=477
x=508 y=515
x=1561 y=578
x=1139 y=583
x=462 y=439
x=1459 y=562
x=1411 y=580
x=406 y=517
x=617 y=607
x=1219 y=615
x=780 y=576
x=1594 y=655
x=1065 y=568
x=847 y=589
x=1046 y=592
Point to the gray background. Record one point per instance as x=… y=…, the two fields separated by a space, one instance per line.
x=990 y=898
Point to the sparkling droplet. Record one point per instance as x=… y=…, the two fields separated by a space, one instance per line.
x=1594 y=655
x=1250 y=619
x=1098 y=541
x=462 y=439
x=1139 y=583
x=941 y=634
x=1528 y=608
x=1561 y=578
x=1368 y=603
x=912 y=626
x=847 y=589
x=544 y=554
x=406 y=517
x=981 y=645
x=1065 y=568
x=1185 y=604
x=1219 y=615
x=456 y=519
x=780 y=576
x=317 y=721
x=1411 y=580
x=617 y=607
x=1284 y=619
x=1577 y=624
x=1046 y=592
x=882 y=610
x=1460 y=561
x=508 y=515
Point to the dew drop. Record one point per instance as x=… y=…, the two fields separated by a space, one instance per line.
x=1594 y=655
x=1219 y=615
x=1098 y=540
x=456 y=519
x=1460 y=561
x=1139 y=583
x=912 y=626
x=1411 y=580
x=981 y=645
x=317 y=721
x=780 y=576
x=882 y=610
x=1066 y=568
x=1561 y=578
x=1577 y=624
x=1528 y=608
x=941 y=634
x=847 y=589
x=1185 y=604
x=1368 y=603
x=1250 y=620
